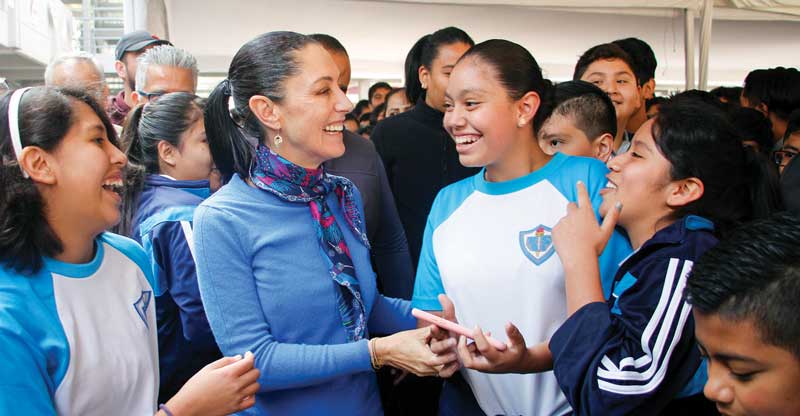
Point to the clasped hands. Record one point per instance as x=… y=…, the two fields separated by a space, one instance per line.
x=481 y=355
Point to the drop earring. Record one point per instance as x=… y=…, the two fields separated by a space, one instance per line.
x=278 y=140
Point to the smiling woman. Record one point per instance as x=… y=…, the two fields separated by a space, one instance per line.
x=282 y=255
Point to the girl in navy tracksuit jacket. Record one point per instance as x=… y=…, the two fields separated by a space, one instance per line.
x=686 y=179
x=168 y=178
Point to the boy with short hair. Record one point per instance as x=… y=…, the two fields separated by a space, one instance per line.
x=611 y=68
x=744 y=296
x=582 y=123
x=644 y=65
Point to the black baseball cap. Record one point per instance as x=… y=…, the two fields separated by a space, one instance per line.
x=135 y=41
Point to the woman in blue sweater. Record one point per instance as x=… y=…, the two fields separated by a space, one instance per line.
x=167 y=175
x=282 y=254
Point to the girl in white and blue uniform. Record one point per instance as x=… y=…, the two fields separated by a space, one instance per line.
x=77 y=311
x=488 y=243
x=167 y=179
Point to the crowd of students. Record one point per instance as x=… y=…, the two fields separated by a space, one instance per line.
x=634 y=254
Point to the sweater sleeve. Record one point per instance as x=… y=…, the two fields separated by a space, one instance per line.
x=390 y=315
x=229 y=293
x=172 y=243
x=390 y=247
x=634 y=357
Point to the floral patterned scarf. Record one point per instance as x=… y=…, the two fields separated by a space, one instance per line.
x=296 y=184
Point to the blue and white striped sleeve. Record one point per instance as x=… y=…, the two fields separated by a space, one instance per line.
x=637 y=355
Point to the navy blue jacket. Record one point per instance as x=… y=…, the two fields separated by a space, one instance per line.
x=637 y=352
x=163 y=226
x=390 y=256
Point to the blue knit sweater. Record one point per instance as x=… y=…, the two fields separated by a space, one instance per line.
x=267 y=289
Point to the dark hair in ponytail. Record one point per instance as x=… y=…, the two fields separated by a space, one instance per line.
x=699 y=141
x=517 y=71
x=164 y=119
x=45 y=117
x=424 y=51
x=260 y=67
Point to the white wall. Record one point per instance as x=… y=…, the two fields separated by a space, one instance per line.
x=378 y=35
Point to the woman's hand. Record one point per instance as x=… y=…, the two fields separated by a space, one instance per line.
x=408 y=350
x=225 y=386
x=578 y=233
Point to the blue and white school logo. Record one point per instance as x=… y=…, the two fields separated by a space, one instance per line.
x=537 y=244
x=141 y=305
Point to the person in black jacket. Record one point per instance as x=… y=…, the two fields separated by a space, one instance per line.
x=362 y=165
x=419 y=156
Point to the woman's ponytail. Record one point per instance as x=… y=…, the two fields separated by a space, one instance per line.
x=413 y=61
x=231 y=150
x=134 y=172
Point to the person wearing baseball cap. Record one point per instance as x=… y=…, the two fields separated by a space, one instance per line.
x=130 y=46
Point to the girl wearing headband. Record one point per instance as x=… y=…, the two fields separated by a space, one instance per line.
x=77 y=311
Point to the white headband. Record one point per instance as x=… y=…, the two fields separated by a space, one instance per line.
x=13 y=125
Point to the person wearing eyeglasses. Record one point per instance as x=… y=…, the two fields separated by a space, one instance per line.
x=162 y=70
x=791 y=142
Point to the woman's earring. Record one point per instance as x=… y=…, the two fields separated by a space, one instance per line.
x=521 y=122
x=278 y=140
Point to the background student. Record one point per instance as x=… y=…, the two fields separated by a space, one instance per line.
x=644 y=65
x=167 y=178
x=743 y=293
x=419 y=156
x=611 y=68
x=582 y=122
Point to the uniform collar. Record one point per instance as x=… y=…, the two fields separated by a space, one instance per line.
x=678 y=231
x=200 y=187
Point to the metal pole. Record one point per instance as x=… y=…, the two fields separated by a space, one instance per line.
x=705 y=42
x=688 y=47
x=87 y=26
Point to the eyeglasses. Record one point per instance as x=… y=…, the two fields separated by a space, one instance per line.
x=781 y=157
x=150 y=96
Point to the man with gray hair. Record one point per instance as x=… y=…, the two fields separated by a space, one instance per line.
x=80 y=71
x=164 y=69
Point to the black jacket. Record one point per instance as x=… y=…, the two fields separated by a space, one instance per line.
x=420 y=159
x=362 y=165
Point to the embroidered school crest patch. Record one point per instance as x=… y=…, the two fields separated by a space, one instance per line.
x=141 y=305
x=537 y=244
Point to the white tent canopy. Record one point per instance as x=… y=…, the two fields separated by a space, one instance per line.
x=747 y=33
